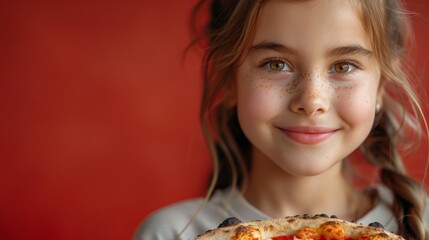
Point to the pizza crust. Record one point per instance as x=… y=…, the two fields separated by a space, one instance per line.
x=287 y=226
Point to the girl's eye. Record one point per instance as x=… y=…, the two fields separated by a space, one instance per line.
x=342 y=67
x=278 y=66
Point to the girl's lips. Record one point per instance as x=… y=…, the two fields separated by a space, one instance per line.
x=308 y=135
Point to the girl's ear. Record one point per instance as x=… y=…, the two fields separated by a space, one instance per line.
x=380 y=94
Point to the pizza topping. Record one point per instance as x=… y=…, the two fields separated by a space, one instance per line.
x=324 y=215
x=377 y=225
x=231 y=221
x=327 y=231
x=305 y=227
x=283 y=238
x=247 y=233
x=330 y=230
x=307 y=233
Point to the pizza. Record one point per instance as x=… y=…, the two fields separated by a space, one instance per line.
x=305 y=227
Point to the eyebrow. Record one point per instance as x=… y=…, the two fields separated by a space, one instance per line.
x=263 y=46
x=339 y=51
x=350 y=50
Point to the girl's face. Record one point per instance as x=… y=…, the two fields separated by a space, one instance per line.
x=308 y=88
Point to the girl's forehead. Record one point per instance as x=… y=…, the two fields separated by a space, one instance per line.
x=312 y=22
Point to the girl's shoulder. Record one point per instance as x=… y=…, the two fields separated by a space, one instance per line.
x=168 y=222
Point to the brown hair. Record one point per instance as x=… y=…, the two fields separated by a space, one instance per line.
x=230 y=29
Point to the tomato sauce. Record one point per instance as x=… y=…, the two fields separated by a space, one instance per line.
x=292 y=238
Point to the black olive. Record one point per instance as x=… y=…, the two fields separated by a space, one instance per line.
x=229 y=222
x=377 y=225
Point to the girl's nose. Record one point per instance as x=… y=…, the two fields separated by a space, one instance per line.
x=311 y=96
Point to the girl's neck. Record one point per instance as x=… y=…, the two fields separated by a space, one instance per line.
x=279 y=194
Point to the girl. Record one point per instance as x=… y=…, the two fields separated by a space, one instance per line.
x=292 y=88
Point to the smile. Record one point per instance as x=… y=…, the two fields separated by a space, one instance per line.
x=308 y=135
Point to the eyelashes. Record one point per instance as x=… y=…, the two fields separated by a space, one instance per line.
x=344 y=67
x=277 y=65
x=280 y=65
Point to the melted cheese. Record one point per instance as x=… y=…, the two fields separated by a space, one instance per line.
x=247 y=233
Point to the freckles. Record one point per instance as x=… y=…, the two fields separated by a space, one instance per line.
x=313 y=94
x=320 y=85
x=265 y=87
x=290 y=87
x=347 y=90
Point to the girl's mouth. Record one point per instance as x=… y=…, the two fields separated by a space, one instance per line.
x=308 y=134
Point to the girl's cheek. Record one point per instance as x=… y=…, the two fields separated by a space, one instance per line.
x=259 y=97
x=356 y=105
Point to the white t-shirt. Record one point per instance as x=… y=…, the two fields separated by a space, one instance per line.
x=167 y=222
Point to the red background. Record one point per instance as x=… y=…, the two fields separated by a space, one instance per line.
x=99 y=115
